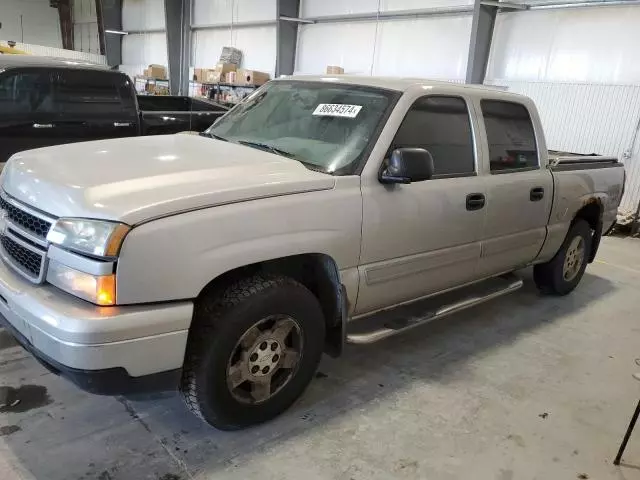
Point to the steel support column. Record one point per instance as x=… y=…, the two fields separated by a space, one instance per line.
x=178 y=27
x=484 y=18
x=287 y=36
x=66 y=22
x=111 y=19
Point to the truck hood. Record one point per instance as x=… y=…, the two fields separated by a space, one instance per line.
x=136 y=179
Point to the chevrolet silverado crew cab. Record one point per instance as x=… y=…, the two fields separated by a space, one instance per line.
x=320 y=211
x=47 y=101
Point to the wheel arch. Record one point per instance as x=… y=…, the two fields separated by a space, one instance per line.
x=316 y=271
x=592 y=211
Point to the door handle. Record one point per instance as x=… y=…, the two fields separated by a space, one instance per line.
x=121 y=124
x=43 y=125
x=536 y=194
x=475 y=201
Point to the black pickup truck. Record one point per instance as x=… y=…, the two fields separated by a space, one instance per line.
x=45 y=101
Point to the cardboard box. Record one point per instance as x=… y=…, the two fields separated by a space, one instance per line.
x=334 y=70
x=252 y=77
x=226 y=67
x=231 y=55
x=156 y=71
x=199 y=74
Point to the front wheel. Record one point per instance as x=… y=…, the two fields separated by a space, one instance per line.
x=561 y=274
x=252 y=351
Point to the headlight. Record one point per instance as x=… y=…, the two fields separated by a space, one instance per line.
x=97 y=238
x=98 y=289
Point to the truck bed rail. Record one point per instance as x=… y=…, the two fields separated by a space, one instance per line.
x=569 y=160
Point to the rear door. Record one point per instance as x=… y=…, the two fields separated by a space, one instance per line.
x=519 y=191
x=27 y=111
x=95 y=105
x=164 y=115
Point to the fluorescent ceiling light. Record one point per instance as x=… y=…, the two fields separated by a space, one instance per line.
x=117 y=32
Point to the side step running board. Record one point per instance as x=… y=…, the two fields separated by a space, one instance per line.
x=410 y=316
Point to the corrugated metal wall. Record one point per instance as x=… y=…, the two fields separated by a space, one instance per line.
x=142 y=49
x=590 y=118
x=432 y=47
x=258 y=43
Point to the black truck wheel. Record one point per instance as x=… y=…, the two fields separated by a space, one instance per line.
x=252 y=351
x=561 y=274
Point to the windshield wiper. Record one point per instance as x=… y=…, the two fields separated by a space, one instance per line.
x=213 y=135
x=268 y=148
x=278 y=151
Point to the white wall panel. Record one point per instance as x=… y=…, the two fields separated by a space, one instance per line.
x=258 y=46
x=433 y=47
x=207 y=12
x=138 y=15
x=141 y=50
x=390 y=5
x=85 y=26
x=590 y=118
x=319 y=8
x=585 y=45
x=30 y=21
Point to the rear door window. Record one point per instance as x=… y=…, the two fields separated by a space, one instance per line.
x=88 y=93
x=511 y=138
x=27 y=91
x=441 y=125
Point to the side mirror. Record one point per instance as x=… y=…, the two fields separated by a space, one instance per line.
x=408 y=165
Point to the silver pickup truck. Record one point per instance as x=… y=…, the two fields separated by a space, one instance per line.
x=224 y=264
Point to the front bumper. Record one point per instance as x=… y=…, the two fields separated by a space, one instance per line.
x=107 y=350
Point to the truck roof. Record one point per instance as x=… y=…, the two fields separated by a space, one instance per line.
x=17 y=61
x=400 y=84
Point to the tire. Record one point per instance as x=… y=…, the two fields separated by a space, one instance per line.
x=225 y=346
x=552 y=277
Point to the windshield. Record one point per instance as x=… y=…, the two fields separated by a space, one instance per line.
x=328 y=127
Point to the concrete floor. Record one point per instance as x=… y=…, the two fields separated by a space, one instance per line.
x=523 y=387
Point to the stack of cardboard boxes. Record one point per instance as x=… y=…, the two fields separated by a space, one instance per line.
x=227 y=71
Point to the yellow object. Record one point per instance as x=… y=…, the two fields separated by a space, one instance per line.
x=116 y=239
x=12 y=50
x=106 y=290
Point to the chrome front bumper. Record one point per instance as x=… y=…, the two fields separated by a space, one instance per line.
x=142 y=340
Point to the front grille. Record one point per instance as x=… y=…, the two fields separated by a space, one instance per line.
x=23 y=258
x=25 y=220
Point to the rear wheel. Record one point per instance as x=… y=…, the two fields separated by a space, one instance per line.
x=563 y=272
x=252 y=351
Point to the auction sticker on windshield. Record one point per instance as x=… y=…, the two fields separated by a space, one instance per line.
x=337 y=110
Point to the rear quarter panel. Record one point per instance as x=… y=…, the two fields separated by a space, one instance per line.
x=175 y=257
x=573 y=189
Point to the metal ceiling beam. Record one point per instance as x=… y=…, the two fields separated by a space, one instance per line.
x=393 y=15
x=226 y=25
x=286 y=36
x=505 y=6
x=100 y=21
x=178 y=26
x=66 y=22
x=484 y=18
x=111 y=21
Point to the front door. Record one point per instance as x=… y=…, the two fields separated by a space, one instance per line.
x=424 y=237
x=519 y=192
